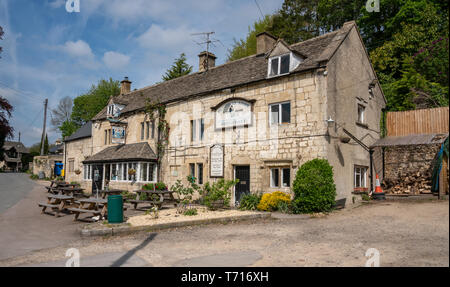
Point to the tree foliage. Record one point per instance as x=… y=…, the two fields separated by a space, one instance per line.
x=243 y=48
x=178 y=69
x=1 y=38
x=407 y=42
x=88 y=105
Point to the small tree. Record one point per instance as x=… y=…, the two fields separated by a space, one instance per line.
x=314 y=187
x=178 y=69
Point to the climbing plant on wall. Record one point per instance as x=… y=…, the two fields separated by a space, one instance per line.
x=157 y=112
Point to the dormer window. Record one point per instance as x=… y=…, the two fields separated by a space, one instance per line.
x=111 y=110
x=279 y=65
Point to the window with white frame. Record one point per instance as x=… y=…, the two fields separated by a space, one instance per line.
x=280 y=177
x=280 y=113
x=360 y=176
x=87 y=172
x=279 y=65
x=361 y=114
x=111 y=110
x=197 y=130
x=145 y=171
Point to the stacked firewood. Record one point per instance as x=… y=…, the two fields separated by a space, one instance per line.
x=411 y=184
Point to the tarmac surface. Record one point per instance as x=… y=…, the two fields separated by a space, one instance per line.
x=403 y=233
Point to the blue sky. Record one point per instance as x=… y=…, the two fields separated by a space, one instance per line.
x=50 y=53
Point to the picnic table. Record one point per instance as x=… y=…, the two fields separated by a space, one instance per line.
x=94 y=206
x=154 y=197
x=57 y=203
x=72 y=191
x=105 y=193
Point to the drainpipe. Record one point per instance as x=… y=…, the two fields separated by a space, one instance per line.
x=371 y=170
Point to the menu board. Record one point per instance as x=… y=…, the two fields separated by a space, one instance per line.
x=216 y=162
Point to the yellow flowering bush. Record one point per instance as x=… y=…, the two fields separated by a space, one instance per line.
x=270 y=201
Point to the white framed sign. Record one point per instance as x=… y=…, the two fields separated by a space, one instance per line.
x=118 y=135
x=233 y=113
x=216 y=161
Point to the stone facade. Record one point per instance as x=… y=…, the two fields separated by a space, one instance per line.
x=322 y=101
x=77 y=151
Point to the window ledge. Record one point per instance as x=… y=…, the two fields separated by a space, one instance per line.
x=366 y=126
x=360 y=190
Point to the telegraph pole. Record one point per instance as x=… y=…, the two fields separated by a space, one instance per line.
x=43 y=130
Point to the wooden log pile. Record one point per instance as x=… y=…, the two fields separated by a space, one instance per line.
x=412 y=184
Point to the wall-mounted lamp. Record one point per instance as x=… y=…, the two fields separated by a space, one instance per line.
x=330 y=121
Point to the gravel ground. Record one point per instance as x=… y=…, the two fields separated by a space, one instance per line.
x=405 y=233
x=171 y=215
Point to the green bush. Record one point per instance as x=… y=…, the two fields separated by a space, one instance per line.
x=157 y=186
x=285 y=206
x=218 y=191
x=250 y=201
x=314 y=187
x=34 y=176
x=190 y=212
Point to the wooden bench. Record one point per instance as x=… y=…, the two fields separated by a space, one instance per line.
x=57 y=203
x=78 y=211
x=135 y=202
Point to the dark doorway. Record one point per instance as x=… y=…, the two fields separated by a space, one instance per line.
x=97 y=177
x=243 y=186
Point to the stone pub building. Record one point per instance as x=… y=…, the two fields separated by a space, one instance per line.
x=257 y=119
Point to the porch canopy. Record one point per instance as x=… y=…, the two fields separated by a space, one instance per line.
x=123 y=153
x=419 y=139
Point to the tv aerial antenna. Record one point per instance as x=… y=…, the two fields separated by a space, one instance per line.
x=208 y=41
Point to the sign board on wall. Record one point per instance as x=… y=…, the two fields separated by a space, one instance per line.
x=216 y=161
x=118 y=135
x=234 y=113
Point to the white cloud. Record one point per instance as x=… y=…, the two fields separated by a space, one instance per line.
x=115 y=61
x=57 y=4
x=166 y=38
x=78 y=49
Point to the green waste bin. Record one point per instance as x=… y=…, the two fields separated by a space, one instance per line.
x=115 y=209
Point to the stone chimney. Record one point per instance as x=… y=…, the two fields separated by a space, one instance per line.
x=125 y=86
x=206 y=60
x=264 y=42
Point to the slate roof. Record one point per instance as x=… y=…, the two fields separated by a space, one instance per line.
x=247 y=70
x=124 y=152
x=84 y=132
x=422 y=139
x=17 y=145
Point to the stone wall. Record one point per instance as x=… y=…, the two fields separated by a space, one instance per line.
x=46 y=163
x=408 y=169
x=78 y=151
x=260 y=145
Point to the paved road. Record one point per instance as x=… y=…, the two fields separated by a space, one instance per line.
x=23 y=228
x=13 y=187
x=405 y=234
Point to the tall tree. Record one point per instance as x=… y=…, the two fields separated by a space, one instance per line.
x=246 y=47
x=178 y=69
x=86 y=106
x=6 y=130
x=6 y=108
x=61 y=117
x=1 y=38
x=297 y=21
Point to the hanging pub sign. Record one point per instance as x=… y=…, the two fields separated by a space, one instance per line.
x=118 y=135
x=233 y=113
x=216 y=161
